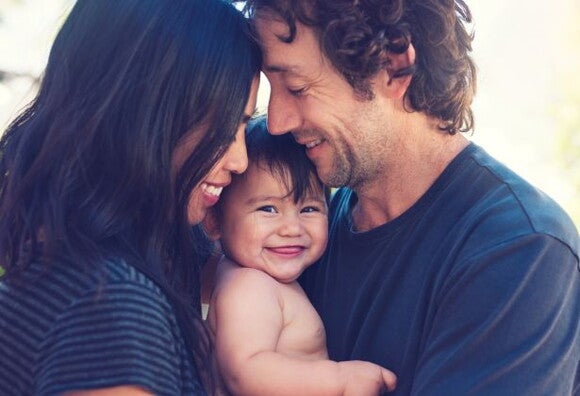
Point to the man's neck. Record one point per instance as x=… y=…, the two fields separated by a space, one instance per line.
x=406 y=178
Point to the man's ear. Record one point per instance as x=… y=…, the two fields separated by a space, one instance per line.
x=386 y=80
x=211 y=224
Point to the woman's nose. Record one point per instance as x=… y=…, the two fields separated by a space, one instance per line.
x=237 y=157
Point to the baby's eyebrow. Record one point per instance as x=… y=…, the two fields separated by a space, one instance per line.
x=315 y=199
x=263 y=198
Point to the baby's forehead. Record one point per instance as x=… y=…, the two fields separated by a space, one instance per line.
x=282 y=174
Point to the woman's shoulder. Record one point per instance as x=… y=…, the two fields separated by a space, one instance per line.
x=72 y=323
x=48 y=292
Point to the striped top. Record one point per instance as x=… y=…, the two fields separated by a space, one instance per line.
x=65 y=329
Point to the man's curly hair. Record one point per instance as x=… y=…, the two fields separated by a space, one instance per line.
x=355 y=34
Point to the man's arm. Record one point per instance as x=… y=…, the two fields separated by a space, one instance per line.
x=507 y=324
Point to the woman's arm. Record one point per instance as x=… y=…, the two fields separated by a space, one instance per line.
x=115 y=391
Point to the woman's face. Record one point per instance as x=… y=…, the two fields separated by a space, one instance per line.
x=207 y=192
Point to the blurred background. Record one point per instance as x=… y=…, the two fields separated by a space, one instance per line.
x=527 y=107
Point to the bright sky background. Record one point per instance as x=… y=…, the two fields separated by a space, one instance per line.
x=522 y=50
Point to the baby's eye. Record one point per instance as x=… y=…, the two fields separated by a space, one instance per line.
x=267 y=208
x=309 y=209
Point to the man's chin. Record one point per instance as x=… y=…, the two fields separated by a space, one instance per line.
x=332 y=179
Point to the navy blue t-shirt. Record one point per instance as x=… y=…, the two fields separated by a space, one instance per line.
x=473 y=290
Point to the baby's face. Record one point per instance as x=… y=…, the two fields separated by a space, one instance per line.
x=263 y=228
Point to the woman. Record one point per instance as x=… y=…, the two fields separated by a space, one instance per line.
x=137 y=126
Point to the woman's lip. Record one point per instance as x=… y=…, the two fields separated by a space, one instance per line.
x=210 y=199
x=211 y=192
x=212 y=189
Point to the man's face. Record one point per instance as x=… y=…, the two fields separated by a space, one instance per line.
x=346 y=137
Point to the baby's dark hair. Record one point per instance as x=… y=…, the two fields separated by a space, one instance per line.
x=284 y=158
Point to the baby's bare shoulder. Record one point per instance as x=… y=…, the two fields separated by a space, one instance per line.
x=235 y=282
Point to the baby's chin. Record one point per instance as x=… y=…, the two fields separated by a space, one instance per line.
x=287 y=278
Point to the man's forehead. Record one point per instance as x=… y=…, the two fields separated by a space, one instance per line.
x=280 y=56
x=270 y=26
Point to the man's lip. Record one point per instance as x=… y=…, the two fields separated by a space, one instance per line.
x=310 y=144
x=304 y=140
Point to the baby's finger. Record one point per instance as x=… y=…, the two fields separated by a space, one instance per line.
x=390 y=379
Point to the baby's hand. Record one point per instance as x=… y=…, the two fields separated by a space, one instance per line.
x=365 y=378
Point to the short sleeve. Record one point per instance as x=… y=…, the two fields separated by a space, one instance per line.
x=119 y=335
x=507 y=318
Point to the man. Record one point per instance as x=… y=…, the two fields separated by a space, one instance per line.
x=443 y=265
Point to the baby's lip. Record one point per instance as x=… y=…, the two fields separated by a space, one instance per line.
x=287 y=250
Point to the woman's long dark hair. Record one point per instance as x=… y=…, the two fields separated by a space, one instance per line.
x=86 y=169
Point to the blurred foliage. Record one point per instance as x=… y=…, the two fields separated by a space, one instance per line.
x=5 y=4
x=568 y=118
x=568 y=146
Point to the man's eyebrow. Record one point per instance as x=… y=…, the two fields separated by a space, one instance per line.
x=279 y=68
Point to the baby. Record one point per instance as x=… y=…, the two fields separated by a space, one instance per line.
x=272 y=224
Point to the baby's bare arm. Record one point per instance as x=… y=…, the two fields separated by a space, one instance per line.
x=248 y=321
x=365 y=378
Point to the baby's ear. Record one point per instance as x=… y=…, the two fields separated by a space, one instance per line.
x=211 y=225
